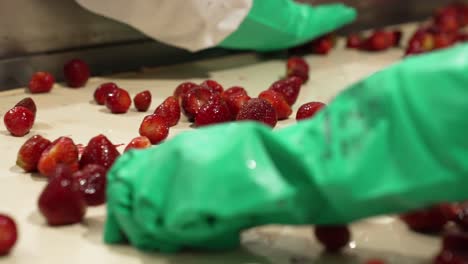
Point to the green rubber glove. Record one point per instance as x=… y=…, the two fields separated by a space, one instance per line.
x=279 y=24
x=393 y=142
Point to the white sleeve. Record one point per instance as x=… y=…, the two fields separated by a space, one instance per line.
x=187 y=24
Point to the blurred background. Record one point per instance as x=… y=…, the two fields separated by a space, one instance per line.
x=41 y=35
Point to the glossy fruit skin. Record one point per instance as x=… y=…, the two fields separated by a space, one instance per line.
x=61 y=202
x=92 y=181
x=28 y=103
x=155 y=128
x=76 y=73
x=19 y=121
x=379 y=40
x=30 y=153
x=308 y=110
x=101 y=151
x=235 y=97
x=182 y=88
x=139 y=142
x=169 y=109
x=213 y=85
x=282 y=108
x=142 y=101
x=354 y=41
x=289 y=88
x=258 y=109
x=102 y=91
x=41 y=82
x=427 y=220
x=323 y=44
x=119 y=101
x=213 y=112
x=8 y=234
x=333 y=238
x=194 y=99
x=297 y=66
x=61 y=151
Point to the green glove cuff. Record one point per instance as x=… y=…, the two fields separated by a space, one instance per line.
x=392 y=142
x=280 y=24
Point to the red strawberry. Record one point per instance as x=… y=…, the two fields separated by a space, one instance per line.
x=213 y=85
x=213 y=112
x=194 y=99
x=76 y=73
x=92 y=182
x=28 y=103
x=235 y=98
x=333 y=238
x=19 y=121
x=99 y=151
x=8 y=234
x=183 y=88
x=140 y=142
x=61 y=202
x=41 y=82
x=155 y=128
x=308 y=110
x=298 y=67
x=169 y=110
x=258 y=109
x=289 y=88
x=30 y=153
x=379 y=40
x=353 y=41
x=142 y=101
x=282 y=109
x=119 y=101
x=61 y=151
x=322 y=45
x=425 y=220
x=103 y=90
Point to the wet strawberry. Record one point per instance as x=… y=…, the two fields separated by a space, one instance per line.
x=101 y=151
x=289 y=88
x=213 y=112
x=169 y=110
x=61 y=151
x=76 y=73
x=183 y=88
x=194 y=99
x=41 y=82
x=102 y=91
x=322 y=45
x=258 y=109
x=333 y=238
x=19 y=121
x=308 y=110
x=353 y=41
x=235 y=98
x=28 y=103
x=155 y=128
x=379 y=40
x=8 y=234
x=92 y=182
x=282 y=108
x=61 y=202
x=142 y=101
x=213 y=85
x=30 y=153
x=297 y=66
x=140 y=142
x=427 y=220
x=119 y=101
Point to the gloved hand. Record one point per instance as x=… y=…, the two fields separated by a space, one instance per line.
x=238 y=24
x=280 y=24
x=393 y=142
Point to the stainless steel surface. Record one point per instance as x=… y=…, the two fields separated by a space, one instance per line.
x=41 y=35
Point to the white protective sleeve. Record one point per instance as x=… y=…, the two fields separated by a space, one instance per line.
x=189 y=24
